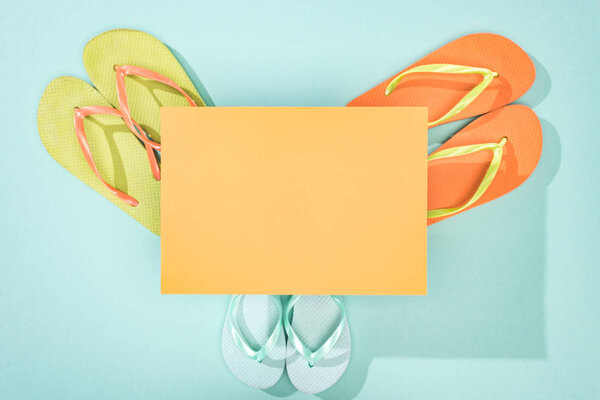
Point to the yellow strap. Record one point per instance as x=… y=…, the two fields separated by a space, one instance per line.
x=488 y=76
x=496 y=148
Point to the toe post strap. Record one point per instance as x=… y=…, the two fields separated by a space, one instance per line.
x=497 y=150
x=255 y=354
x=308 y=354
x=80 y=113
x=488 y=77
x=124 y=70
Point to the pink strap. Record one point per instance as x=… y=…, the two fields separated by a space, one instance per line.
x=80 y=114
x=122 y=72
x=123 y=112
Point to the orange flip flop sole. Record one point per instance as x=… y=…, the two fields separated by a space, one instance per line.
x=440 y=92
x=452 y=181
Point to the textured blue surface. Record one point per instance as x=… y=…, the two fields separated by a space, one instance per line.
x=512 y=310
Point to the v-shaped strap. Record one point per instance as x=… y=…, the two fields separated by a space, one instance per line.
x=305 y=352
x=121 y=72
x=496 y=148
x=487 y=74
x=79 y=115
x=260 y=354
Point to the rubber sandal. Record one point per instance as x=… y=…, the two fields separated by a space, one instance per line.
x=490 y=157
x=470 y=76
x=319 y=342
x=253 y=342
x=138 y=74
x=88 y=137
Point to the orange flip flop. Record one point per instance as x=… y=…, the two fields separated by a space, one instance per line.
x=490 y=157
x=470 y=76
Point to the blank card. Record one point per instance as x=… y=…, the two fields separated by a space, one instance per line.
x=294 y=200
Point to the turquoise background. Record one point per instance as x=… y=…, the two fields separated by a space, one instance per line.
x=513 y=304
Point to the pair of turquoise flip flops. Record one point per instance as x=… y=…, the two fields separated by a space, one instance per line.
x=309 y=338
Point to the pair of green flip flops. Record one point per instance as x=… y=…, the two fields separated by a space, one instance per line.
x=121 y=159
x=309 y=338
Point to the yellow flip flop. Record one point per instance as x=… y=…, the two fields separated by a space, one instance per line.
x=88 y=137
x=126 y=52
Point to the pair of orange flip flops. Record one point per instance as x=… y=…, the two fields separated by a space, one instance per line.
x=473 y=75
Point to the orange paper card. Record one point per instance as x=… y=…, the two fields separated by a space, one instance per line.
x=294 y=200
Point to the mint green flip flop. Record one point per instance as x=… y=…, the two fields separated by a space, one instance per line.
x=319 y=343
x=253 y=342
